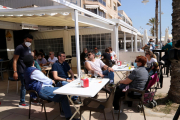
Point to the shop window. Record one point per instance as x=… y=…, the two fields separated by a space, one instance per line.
x=54 y=44
x=101 y=41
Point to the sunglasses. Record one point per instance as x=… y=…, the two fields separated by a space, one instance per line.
x=136 y=61
x=89 y=54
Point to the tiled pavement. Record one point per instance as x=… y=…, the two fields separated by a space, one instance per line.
x=10 y=111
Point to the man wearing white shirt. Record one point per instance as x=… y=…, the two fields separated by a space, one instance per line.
x=52 y=59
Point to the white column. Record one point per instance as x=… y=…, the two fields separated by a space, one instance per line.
x=135 y=43
x=116 y=41
x=10 y=45
x=132 y=43
x=124 y=42
x=140 y=43
x=77 y=42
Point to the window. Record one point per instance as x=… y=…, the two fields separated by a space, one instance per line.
x=114 y=5
x=102 y=13
x=54 y=44
x=101 y=41
x=73 y=44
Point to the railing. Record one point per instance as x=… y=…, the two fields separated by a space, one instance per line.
x=101 y=1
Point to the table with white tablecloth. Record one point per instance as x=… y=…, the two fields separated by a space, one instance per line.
x=120 y=69
x=74 y=89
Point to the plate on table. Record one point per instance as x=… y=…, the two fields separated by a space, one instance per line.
x=120 y=67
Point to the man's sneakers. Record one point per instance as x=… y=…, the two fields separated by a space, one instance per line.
x=77 y=102
x=23 y=105
x=117 y=111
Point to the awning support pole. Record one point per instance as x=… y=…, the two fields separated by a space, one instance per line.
x=116 y=41
x=132 y=43
x=77 y=42
x=124 y=42
x=135 y=43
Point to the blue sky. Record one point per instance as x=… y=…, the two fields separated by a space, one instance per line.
x=140 y=13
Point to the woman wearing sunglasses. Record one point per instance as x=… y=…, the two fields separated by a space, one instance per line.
x=137 y=80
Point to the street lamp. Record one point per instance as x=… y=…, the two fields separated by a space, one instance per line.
x=145 y=1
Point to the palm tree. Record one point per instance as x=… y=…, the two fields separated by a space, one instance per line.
x=151 y=23
x=174 y=91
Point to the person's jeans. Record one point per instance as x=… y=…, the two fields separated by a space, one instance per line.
x=109 y=75
x=74 y=98
x=47 y=94
x=23 y=90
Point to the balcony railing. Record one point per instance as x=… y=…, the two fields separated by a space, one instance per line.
x=101 y=1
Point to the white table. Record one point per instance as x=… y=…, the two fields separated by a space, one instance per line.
x=73 y=89
x=121 y=68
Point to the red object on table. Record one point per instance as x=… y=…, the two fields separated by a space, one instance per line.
x=85 y=83
x=119 y=63
x=111 y=57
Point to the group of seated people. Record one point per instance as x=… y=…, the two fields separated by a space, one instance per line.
x=36 y=80
x=108 y=55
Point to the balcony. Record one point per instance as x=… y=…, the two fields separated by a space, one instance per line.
x=119 y=2
x=100 y=1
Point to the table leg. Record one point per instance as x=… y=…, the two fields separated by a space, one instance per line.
x=77 y=109
x=119 y=76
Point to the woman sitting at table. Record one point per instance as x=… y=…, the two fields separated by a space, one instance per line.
x=150 y=59
x=107 y=58
x=137 y=80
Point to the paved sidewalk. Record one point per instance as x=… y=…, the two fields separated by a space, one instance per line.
x=10 y=111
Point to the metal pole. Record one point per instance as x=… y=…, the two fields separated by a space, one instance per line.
x=135 y=43
x=160 y=25
x=132 y=42
x=124 y=42
x=77 y=42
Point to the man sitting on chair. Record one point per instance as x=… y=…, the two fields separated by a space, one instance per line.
x=95 y=66
x=60 y=71
x=36 y=80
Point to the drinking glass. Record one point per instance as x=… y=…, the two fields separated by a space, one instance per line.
x=129 y=65
x=89 y=74
x=95 y=74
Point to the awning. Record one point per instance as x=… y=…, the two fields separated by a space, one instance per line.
x=64 y=14
x=92 y=6
x=103 y=9
x=50 y=16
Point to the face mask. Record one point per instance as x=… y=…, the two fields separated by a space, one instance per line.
x=27 y=44
x=135 y=65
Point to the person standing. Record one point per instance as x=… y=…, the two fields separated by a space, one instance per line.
x=21 y=51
